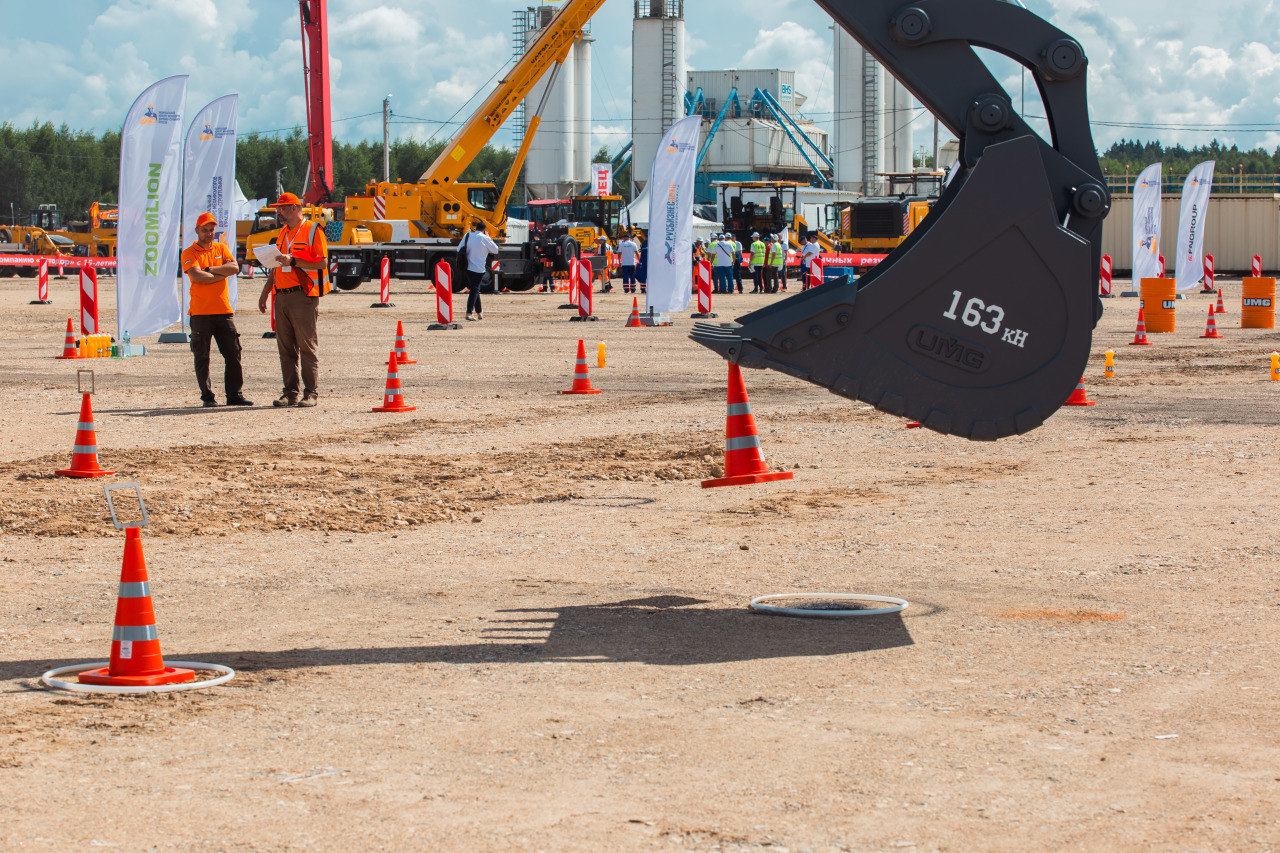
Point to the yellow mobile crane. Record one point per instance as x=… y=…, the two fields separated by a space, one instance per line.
x=439 y=208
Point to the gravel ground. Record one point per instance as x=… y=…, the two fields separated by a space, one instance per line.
x=511 y=620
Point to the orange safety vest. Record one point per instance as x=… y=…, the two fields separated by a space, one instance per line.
x=317 y=284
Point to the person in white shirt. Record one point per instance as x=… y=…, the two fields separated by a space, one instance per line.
x=478 y=247
x=811 y=251
x=724 y=264
x=628 y=250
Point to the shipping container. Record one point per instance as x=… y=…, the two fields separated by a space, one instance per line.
x=1237 y=227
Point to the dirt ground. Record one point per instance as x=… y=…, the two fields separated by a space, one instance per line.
x=511 y=620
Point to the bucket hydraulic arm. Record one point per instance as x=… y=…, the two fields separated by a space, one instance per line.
x=979 y=323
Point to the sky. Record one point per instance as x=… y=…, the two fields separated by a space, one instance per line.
x=1159 y=69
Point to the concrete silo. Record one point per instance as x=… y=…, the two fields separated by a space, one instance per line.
x=872 y=128
x=658 y=74
x=554 y=167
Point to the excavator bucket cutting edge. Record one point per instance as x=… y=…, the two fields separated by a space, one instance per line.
x=979 y=324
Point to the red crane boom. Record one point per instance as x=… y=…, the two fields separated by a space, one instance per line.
x=315 y=66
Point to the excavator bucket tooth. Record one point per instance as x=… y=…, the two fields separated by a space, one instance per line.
x=979 y=328
x=979 y=323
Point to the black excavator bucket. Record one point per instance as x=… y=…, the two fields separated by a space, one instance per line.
x=979 y=324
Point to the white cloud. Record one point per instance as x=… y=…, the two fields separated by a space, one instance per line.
x=1151 y=61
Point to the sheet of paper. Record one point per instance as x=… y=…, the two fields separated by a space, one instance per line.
x=268 y=255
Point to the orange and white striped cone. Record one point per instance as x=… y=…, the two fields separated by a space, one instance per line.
x=69 y=348
x=393 y=398
x=402 y=352
x=743 y=462
x=84 y=453
x=1211 y=327
x=581 y=377
x=1140 y=333
x=135 y=643
x=1220 y=309
x=1079 y=397
x=634 y=320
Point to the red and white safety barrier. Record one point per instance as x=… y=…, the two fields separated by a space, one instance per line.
x=1162 y=266
x=444 y=293
x=88 y=301
x=702 y=275
x=384 y=291
x=815 y=272
x=1208 y=287
x=1105 y=287
x=74 y=263
x=42 y=282
x=1257 y=266
x=583 y=278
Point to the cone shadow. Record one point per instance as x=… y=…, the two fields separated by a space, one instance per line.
x=661 y=631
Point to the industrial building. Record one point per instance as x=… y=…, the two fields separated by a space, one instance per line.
x=752 y=129
x=749 y=121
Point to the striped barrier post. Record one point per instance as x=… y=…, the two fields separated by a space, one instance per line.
x=444 y=298
x=1208 y=287
x=703 y=272
x=42 y=284
x=384 y=285
x=88 y=301
x=1105 y=286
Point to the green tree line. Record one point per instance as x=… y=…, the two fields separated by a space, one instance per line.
x=74 y=168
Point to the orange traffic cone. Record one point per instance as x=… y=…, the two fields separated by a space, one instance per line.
x=402 y=352
x=1078 y=396
x=1140 y=333
x=135 y=644
x=393 y=400
x=1211 y=327
x=581 y=378
x=84 y=453
x=1220 y=309
x=743 y=462
x=633 y=320
x=69 y=348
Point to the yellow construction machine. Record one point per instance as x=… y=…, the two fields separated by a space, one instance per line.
x=438 y=210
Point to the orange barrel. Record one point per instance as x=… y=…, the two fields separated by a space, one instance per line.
x=1159 y=304
x=1258 y=303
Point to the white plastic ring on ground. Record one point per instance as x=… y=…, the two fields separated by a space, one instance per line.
x=897 y=604
x=227 y=674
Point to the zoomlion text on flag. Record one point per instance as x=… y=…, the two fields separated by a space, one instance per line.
x=152 y=228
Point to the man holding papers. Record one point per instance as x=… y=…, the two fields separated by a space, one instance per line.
x=299 y=281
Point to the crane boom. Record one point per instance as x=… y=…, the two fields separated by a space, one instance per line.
x=550 y=47
x=315 y=65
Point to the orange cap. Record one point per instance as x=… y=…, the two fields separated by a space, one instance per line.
x=205 y=219
x=287 y=198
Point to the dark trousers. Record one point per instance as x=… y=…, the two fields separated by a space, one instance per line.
x=737 y=274
x=473 y=299
x=205 y=329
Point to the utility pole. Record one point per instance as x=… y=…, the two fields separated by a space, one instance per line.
x=386 y=142
x=280 y=186
x=935 y=143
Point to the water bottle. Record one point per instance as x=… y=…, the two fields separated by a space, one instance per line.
x=124 y=345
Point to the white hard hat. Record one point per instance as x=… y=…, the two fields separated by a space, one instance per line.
x=755 y=234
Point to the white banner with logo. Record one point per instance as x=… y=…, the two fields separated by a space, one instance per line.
x=209 y=180
x=147 y=245
x=602 y=179
x=670 y=270
x=1191 y=218
x=1146 y=225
